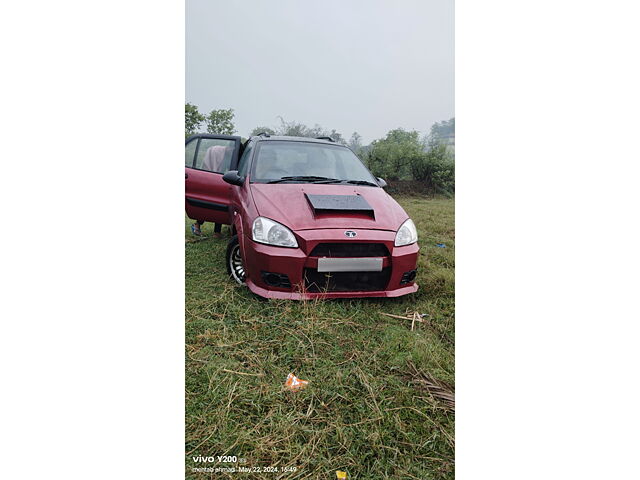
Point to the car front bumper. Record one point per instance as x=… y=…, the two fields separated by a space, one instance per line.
x=292 y=273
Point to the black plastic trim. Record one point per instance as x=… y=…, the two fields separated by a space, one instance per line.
x=350 y=249
x=408 y=277
x=210 y=205
x=346 y=281
x=278 y=280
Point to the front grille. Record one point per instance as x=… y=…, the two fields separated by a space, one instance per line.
x=346 y=281
x=350 y=249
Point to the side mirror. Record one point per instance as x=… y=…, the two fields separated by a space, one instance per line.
x=381 y=182
x=233 y=178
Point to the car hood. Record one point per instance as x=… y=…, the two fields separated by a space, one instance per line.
x=287 y=204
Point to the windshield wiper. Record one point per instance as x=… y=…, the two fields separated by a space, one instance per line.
x=305 y=178
x=317 y=179
x=361 y=182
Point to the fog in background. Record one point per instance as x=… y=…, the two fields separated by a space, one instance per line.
x=365 y=66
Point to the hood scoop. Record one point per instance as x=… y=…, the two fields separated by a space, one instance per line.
x=339 y=203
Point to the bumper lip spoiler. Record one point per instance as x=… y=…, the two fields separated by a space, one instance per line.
x=263 y=292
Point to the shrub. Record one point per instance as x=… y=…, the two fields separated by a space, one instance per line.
x=436 y=168
x=392 y=156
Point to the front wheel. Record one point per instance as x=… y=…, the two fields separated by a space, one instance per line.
x=235 y=266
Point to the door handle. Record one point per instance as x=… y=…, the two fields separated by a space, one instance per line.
x=186 y=175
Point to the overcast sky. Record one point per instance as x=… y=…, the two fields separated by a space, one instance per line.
x=365 y=66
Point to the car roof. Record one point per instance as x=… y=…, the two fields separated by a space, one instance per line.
x=264 y=138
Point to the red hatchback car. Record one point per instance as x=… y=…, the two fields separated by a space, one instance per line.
x=308 y=219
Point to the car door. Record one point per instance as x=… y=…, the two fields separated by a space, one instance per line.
x=207 y=158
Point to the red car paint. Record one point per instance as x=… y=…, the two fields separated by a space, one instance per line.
x=210 y=188
x=286 y=203
x=292 y=261
x=207 y=195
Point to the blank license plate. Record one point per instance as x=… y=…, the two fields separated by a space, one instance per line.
x=350 y=264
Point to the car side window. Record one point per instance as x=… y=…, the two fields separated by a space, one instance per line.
x=214 y=155
x=243 y=164
x=189 y=153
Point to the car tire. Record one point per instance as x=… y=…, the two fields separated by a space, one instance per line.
x=235 y=265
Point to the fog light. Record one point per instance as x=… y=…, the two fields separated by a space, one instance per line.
x=279 y=280
x=408 y=277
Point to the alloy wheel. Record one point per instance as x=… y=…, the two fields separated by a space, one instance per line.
x=236 y=265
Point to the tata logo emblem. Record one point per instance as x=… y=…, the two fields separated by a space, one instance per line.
x=350 y=233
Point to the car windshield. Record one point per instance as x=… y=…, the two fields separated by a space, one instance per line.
x=308 y=162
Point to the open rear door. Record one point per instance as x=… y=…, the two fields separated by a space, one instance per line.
x=207 y=158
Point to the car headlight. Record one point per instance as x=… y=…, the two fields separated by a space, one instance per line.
x=272 y=233
x=407 y=234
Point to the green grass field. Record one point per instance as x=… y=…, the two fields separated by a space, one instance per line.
x=367 y=410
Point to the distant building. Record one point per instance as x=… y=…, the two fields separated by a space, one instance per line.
x=449 y=140
x=445 y=132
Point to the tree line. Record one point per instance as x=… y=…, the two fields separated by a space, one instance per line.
x=400 y=155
